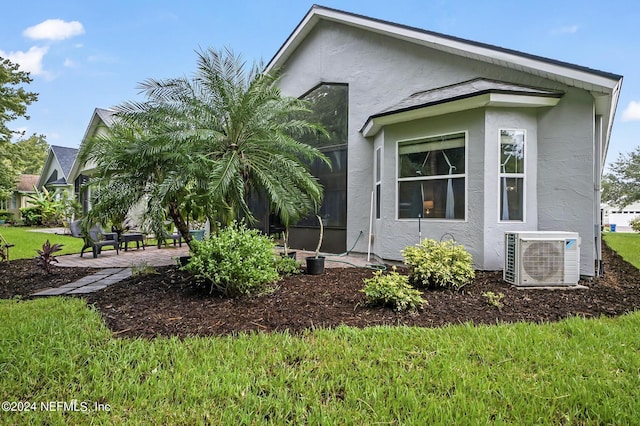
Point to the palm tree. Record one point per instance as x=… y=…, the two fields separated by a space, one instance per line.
x=214 y=138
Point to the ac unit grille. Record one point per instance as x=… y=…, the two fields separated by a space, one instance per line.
x=533 y=258
x=543 y=261
x=510 y=274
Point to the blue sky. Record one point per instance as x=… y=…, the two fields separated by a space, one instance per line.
x=84 y=55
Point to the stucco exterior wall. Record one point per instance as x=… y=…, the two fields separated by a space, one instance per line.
x=400 y=233
x=380 y=72
x=495 y=120
x=565 y=172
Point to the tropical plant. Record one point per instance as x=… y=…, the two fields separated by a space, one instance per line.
x=45 y=205
x=434 y=264
x=234 y=261
x=211 y=140
x=46 y=258
x=393 y=290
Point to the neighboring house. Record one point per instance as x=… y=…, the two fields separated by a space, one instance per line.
x=80 y=172
x=19 y=198
x=621 y=217
x=448 y=137
x=57 y=166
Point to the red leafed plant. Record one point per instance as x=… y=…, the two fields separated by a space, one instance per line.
x=45 y=258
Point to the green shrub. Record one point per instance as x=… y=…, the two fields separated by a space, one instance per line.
x=286 y=266
x=5 y=215
x=434 y=264
x=392 y=290
x=234 y=261
x=32 y=216
x=635 y=224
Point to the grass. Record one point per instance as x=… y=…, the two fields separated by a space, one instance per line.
x=576 y=371
x=27 y=240
x=626 y=245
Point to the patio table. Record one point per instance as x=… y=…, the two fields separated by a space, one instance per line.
x=131 y=237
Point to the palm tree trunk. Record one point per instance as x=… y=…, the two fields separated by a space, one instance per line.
x=179 y=222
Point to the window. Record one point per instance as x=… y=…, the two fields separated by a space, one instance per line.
x=512 y=175
x=378 y=180
x=3 y=205
x=431 y=177
x=329 y=107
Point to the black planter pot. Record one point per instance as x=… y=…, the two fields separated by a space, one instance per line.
x=184 y=260
x=315 y=266
x=291 y=254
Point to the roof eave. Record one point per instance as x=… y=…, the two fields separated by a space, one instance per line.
x=492 y=99
x=566 y=73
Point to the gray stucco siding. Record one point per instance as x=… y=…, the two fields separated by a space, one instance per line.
x=380 y=72
x=565 y=171
x=393 y=234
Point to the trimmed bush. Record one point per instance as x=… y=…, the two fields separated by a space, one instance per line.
x=234 y=261
x=5 y=215
x=435 y=264
x=392 y=290
x=635 y=224
x=286 y=266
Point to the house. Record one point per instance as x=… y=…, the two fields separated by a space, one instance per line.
x=443 y=137
x=19 y=198
x=57 y=166
x=620 y=217
x=80 y=172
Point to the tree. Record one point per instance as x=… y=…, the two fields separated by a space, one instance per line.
x=24 y=156
x=32 y=152
x=621 y=187
x=13 y=100
x=13 y=104
x=210 y=141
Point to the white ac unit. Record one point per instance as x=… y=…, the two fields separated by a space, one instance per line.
x=541 y=258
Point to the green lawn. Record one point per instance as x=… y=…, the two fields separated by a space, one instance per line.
x=27 y=240
x=576 y=371
x=57 y=355
x=626 y=245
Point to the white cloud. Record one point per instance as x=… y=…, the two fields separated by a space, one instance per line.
x=568 y=29
x=30 y=61
x=69 y=63
x=54 y=29
x=632 y=112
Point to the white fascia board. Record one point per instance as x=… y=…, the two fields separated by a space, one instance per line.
x=520 y=101
x=564 y=74
x=373 y=125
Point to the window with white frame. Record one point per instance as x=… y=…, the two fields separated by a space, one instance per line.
x=3 y=204
x=512 y=174
x=431 y=177
x=378 y=182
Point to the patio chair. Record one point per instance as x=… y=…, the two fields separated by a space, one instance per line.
x=95 y=239
x=4 y=249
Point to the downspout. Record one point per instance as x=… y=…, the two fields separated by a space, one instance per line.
x=597 y=192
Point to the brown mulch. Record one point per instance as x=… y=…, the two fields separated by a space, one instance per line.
x=169 y=304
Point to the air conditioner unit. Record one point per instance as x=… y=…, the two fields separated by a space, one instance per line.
x=535 y=258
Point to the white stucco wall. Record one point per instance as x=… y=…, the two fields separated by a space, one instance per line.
x=380 y=72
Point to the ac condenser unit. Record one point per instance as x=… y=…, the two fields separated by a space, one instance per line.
x=535 y=258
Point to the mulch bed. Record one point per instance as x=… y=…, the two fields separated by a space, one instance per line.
x=169 y=304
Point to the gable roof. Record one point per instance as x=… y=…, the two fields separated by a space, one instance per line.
x=100 y=117
x=604 y=86
x=65 y=156
x=586 y=78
